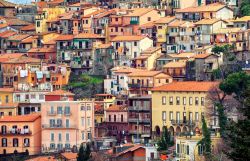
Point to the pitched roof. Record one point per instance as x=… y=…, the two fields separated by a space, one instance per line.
x=144 y=73
x=22 y=60
x=204 y=8
x=117 y=108
x=60 y=93
x=227 y=30
x=128 y=38
x=69 y=155
x=207 y=21
x=30 y=27
x=138 y=11
x=18 y=37
x=6 y=57
x=6 y=90
x=6 y=4
x=124 y=69
x=176 y=23
x=8 y=105
x=7 y=33
x=242 y=19
x=182 y=55
x=131 y=149
x=42 y=50
x=104 y=46
x=201 y=56
x=43 y=158
x=93 y=13
x=28 y=39
x=187 y=86
x=88 y=36
x=64 y=37
x=13 y=21
x=20 y=118
x=3 y=25
x=177 y=64
x=165 y=20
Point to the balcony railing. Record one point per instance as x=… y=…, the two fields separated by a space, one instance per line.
x=142 y=132
x=51 y=113
x=140 y=120
x=134 y=108
x=16 y=132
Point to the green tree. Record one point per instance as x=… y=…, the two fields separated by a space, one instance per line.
x=165 y=141
x=237 y=134
x=245 y=8
x=206 y=139
x=84 y=153
x=222 y=119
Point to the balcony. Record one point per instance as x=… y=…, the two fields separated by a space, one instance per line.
x=142 y=132
x=51 y=113
x=142 y=109
x=58 y=126
x=16 y=132
x=140 y=120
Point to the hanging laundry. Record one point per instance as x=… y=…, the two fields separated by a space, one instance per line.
x=23 y=73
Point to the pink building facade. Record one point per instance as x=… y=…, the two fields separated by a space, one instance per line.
x=66 y=124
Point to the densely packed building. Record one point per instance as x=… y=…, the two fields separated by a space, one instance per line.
x=155 y=59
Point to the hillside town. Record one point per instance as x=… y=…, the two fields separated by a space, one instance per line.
x=116 y=80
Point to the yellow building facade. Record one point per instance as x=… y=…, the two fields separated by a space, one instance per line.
x=180 y=106
x=6 y=95
x=48 y=14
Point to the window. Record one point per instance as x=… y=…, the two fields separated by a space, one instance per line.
x=184 y=100
x=67 y=110
x=52 y=137
x=135 y=43
x=89 y=135
x=164 y=115
x=15 y=142
x=171 y=100
x=52 y=122
x=4 y=142
x=196 y=101
x=67 y=123
x=67 y=136
x=59 y=110
x=114 y=118
x=41 y=96
x=52 y=146
x=159 y=27
x=33 y=96
x=163 y=100
x=116 y=19
x=187 y=149
x=190 y=100
x=149 y=18
x=59 y=137
x=196 y=116
x=178 y=148
x=37 y=23
x=82 y=108
x=202 y=101
x=122 y=118
x=82 y=121
x=88 y=108
x=88 y=121
x=109 y=118
x=87 y=21
x=177 y=100
x=200 y=150
x=171 y=115
x=6 y=99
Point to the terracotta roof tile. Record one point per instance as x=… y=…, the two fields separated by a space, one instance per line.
x=20 y=118
x=23 y=60
x=8 y=105
x=138 y=11
x=144 y=73
x=18 y=37
x=64 y=37
x=30 y=27
x=6 y=57
x=60 y=92
x=6 y=90
x=128 y=38
x=69 y=156
x=7 y=33
x=176 y=23
x=28 y=39
x=55 y=2
x=178 y=64
x=88 y=36
x=93 y=13
x=43 y=158
x=4 y=3
x=201 y=56
x=42 y=50
x=205 y=8
x=207 y=21
x=104 y=46
x=124 y=69
x=165 y=20
x=187 y=86
x=3 y=25
x=182 y=55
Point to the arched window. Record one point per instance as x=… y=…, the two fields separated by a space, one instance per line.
x=26 y=142
x=4 y=129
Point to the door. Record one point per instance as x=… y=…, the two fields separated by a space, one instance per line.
x=184 y=117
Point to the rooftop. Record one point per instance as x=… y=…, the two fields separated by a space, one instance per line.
x=204 y=8
x=207 y=21
x=128 y=38
x=20 y=118
x=69 y=155
x=60 y=92
x=177 y=64
x=144 y=73
x=6 y=90
x=187 y=86
x=117 y=108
